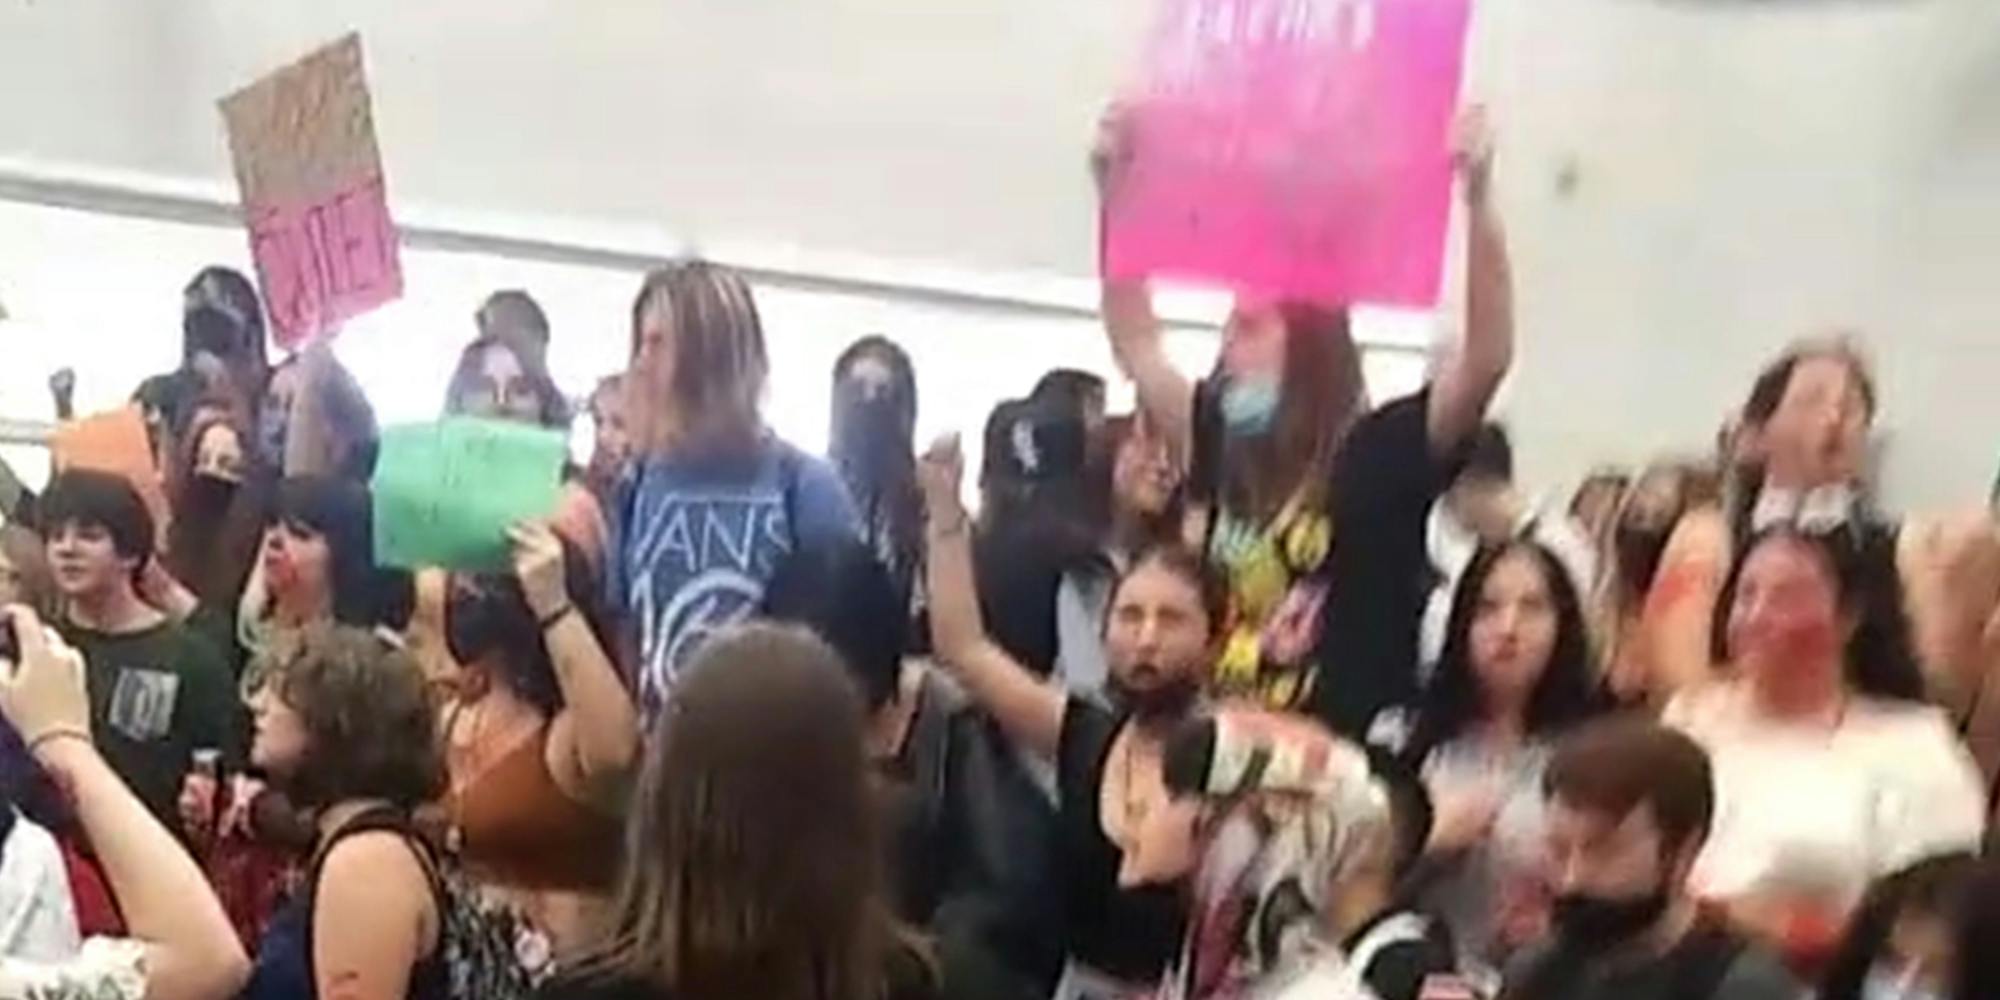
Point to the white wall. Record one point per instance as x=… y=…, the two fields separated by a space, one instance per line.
x=1745 y=170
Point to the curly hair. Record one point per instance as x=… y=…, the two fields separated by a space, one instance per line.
x=369 y=719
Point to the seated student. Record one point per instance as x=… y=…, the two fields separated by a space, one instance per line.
x=1107 y=760
x=158 y=690
x=1296 y=844
x=346 y=728
x=540 y=736
x=1515 y=675
x=1927 y=932
x=1630 y=803
x=755 y=856
x=967 y=830
x=1829 y=773
x=181 y=946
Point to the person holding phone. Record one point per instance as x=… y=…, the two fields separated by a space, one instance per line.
x=180 y=945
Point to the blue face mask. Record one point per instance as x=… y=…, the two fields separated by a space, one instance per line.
x=1249 y=406
x=1885 y=983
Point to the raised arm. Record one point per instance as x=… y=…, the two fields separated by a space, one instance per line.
x=191 y=952
x=1165 y=395
x=1030 y=711
x=595 y=738
x=1469 y=377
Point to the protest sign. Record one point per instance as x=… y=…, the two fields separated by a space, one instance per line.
x=1293 y=149
x=116 y=442
x=445 y=493
x=310 y=174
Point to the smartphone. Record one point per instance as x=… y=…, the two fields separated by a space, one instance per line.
x=10 y=643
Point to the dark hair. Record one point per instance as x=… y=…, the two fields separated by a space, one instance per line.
x=1877 y=661
x=1767 y=393
x=96 y=499
x=844 y=595
x=1563 y=695
x=554 y=410
x=369 y=720
x=1071 y=387
x=873 y=446
x=1411 y=812
x=487 y=619
x=340 y=511
x=28 y=556
x=1937 y=885
x=1186 y=566
x=1321 y=397
x=1616 y=765
x=715 y=390
x=1035 y=483
x=1489 y=454
x=512 y=314
x=228 y=291
x=1163 y=527
x=753 y=854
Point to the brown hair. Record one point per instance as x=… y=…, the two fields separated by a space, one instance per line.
x=28 y=558
x=710 y=400
x=1321 y=397
x=1768 y=393
x=753 y=866
x=369 y=719
x=1616 y=765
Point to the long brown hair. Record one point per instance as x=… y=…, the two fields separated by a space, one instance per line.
x=1319 y=400
x=709 y=398
x=753 y=866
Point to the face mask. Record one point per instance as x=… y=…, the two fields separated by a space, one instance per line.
x=1891 y=984
x=1593 y=922
x=1249 y=406
x=1170 y=700
x=1639 y=552
x=211 y=329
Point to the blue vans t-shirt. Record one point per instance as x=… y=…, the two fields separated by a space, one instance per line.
x=697 y=540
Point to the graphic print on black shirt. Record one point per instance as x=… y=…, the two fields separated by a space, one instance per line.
x=1324 y=605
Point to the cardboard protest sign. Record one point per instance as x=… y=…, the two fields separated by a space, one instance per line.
x=1293 y=148
x=445 y=493
x=303 y=139
x=114 y=441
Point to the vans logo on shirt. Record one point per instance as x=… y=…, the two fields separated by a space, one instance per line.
x=142 y=703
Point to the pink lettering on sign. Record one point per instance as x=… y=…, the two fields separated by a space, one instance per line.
x=325 y=263
x=1293 y=148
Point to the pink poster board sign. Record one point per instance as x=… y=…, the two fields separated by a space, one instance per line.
x=303 y=142
x=1293 y=148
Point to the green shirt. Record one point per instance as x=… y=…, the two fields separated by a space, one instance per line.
x=157 y=696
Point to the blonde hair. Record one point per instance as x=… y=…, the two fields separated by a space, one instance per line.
x=705 y=395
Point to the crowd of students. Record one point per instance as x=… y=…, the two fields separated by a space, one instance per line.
x=1265 y=690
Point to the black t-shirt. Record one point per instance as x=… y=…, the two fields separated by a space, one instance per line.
x=157 y=696
x=1131 y=934
x=1366 y=550
x=1708 y=964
